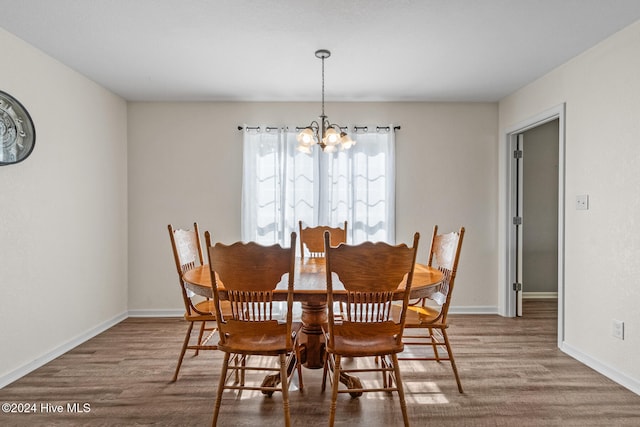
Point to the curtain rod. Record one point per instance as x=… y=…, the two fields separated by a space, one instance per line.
x=298 y=128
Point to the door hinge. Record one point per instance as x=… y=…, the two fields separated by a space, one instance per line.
x=517 y=287
x=517 y=154
x=517 y=220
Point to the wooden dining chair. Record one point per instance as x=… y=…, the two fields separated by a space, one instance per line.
x=371 y=274
x=246 y=275
x=187 y=254
x=313 y=239
x=426 y=323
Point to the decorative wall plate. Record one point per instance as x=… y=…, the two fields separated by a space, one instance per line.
x=17 y=133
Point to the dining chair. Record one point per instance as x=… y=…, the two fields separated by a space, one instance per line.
x=246 y=275
x=371 y=274
x=426 y=319
x=187 y=254
x=313 y=238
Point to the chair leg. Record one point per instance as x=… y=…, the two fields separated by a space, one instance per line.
x=243 y=364
x=284 y=380
x=434 y=344
x=299 y=366
x=403 y=403
x=334 y=390
x=383 y=365
x=235 y=358
x=202 y=324
x=221 y=383
x=325 y=370
x=182 y=352
x=452 y=360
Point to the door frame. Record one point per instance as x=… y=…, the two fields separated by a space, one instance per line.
x=507 y=183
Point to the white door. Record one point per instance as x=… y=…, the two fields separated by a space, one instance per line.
x=518 y=221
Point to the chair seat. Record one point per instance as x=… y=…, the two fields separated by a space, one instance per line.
x=417 y=315
x=263 y=343
x=361 y=340
x=207 y=306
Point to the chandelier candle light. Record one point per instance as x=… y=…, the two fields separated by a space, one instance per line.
x=327 y=135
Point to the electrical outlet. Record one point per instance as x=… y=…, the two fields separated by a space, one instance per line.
x=582 y=202
x=617 y=330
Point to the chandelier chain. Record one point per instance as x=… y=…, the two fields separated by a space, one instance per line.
x=323 y=89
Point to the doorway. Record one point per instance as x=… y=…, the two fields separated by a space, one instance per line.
x=538 y=209
x=533 y=257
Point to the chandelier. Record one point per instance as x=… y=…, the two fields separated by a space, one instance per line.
x=329 y=136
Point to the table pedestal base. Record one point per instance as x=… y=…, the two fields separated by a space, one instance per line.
x=314 y=316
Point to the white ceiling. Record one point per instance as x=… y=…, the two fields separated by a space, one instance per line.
x=402 y=50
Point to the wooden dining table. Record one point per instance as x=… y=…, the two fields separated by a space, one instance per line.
x=311 y=290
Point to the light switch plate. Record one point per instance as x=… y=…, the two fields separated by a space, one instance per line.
x=582 y=202
x=617 y=329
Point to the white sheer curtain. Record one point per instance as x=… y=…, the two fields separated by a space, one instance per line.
x=278 y=186
x=282 y=186
x=358 y=185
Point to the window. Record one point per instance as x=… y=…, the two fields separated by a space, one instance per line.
x=282 y=186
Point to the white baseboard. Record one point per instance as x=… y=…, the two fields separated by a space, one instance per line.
x=604 y=369
x=473 y=310
x=60 y=350
x=157 y=313
x=539 y=295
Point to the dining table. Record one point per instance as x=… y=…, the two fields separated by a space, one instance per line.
x=310 y=289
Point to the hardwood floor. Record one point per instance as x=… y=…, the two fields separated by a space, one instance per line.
x=511 y=371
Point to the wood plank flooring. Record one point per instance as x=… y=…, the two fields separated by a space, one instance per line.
x=511 y=370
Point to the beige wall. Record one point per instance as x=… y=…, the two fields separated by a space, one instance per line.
x=63 y=212
x=185 y=165
x=601 y=90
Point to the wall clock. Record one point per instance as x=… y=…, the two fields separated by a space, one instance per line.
x=17 y=133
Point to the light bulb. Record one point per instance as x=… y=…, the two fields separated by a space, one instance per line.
x=331 y=137
x=345 y=141
x=306 y=137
